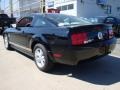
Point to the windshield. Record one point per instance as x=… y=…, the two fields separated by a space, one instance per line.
x=66 y=20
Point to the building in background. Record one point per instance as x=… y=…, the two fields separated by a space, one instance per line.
x=65 y=6
x=11 y=7
x=21 y=8
x=86 y=8
x=29 y=6
x=15 y=8
x=80 y=8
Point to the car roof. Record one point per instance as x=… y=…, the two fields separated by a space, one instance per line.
x=45 y=14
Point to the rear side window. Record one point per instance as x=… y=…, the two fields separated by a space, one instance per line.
x=24 y=21
x=42 y=22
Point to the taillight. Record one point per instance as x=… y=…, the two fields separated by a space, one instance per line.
x=79 y=38
x=111 y=33
x=57 y=55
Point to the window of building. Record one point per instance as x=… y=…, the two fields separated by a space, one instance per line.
x=64 y=7
x=109 y=9
x=59 y=8
x=24 y=21
x=101 y=2
x=70 y=6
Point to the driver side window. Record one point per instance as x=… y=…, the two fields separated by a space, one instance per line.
x=24 y=22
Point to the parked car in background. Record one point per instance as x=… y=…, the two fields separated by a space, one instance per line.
x=115 y=22
x=5 y=21
x=58 y=38
x=98 y=19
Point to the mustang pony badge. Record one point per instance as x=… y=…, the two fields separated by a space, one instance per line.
x=100 y=35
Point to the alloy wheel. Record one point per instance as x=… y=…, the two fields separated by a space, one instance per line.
x=6 y=41
x=40 y=58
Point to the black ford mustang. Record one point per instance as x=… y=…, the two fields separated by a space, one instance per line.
x=58 y=38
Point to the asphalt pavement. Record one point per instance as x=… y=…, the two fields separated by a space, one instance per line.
x=18 y=72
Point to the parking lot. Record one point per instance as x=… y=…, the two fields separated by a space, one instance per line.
x=18 y=72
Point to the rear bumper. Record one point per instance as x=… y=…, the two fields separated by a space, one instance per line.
x=72 y=55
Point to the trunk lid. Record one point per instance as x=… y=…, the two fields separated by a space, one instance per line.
x=89 y=33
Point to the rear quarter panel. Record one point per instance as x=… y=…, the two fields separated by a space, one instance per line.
x=51 y=37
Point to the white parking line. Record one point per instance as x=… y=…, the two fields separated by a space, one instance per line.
x=115 y=55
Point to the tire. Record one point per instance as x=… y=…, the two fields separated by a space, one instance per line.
x=6 y=42
x=1 y=31
x=41 y=58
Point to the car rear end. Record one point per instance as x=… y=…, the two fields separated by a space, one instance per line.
x=86 y=42
x=82 y=39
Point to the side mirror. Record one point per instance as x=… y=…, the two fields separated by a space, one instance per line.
x=14 y=25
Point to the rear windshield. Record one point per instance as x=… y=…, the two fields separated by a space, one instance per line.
x=66 y=20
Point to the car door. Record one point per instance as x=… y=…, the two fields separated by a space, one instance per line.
x=19 y=37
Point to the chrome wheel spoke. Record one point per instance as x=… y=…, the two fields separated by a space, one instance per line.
x=39 y=57
x=6 y=41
